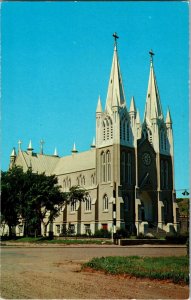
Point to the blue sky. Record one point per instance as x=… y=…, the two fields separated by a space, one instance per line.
x=56 y=60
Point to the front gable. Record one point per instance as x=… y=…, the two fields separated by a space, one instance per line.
x=147 y=166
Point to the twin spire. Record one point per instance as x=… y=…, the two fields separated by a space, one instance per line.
x=116 y=95
x=153 y=107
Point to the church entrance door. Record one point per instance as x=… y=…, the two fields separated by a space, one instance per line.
x=146 y=207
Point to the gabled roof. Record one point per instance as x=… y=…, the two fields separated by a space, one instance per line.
x=74 y=163
x=38 y=162
x=115 y=93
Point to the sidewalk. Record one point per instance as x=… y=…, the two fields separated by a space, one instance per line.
x=59 y=245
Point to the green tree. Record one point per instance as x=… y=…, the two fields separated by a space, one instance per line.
x=11 y=183
x=36 y=198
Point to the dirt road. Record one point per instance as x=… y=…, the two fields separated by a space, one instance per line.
x=49 y=273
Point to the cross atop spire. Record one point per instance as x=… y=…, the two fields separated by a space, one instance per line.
x=115 y=38
x=151 y=54
x=41 y=146
x=19 y=142
x=115 y=92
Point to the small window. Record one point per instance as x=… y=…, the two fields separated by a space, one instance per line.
x=105 y=203
x=87 y=229
x=58 y=229
x=88 y=203
x=73 y=206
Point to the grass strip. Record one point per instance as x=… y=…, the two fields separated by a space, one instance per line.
x=172 y=268
x=57 y=241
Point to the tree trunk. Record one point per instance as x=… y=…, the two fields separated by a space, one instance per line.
x=10 y=230
x=45 y=229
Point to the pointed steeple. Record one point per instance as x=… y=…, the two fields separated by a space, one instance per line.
x=12 y=158
x=99 y=106
x=13 y=153
x=30 y=148
x=19 y=143
x=115 y=93
x=153 y=108
x=74 y=149
x=55 y=152
x=168 y=117
x=132 y=105
x=93 y=143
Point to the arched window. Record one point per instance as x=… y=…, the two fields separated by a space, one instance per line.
x=103 y=167
x=92 y=179
x=166 y=174
x=162 y=139
x=162 y=174
x=64 y=184
x=107 y=122
x=69 y=183
x=108 y=165
x=105 y=202
x=111 y=130
x=123 y=166
x=165 y=211
x=83 y=180
x=129 y=169
x=126 y=204
x=124 y=131
x=73 y=206
x=120 y=130
x=128 y=135
x=165 y=141
x=150 y=136
x=104 y=131
x=88 y=203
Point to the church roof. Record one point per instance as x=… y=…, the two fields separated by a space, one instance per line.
x=76 y=162
x=115 y=93
x=38 y=162
x=153 y=107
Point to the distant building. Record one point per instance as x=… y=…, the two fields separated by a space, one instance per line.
x=128 y=172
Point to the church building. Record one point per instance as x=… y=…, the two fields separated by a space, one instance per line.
x=128 y=172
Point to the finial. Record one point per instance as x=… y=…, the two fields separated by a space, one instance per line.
x=19 y=142
x=151 y=55
x=41 y=146
x=93 y=143
x=13 y=153
x=74 y=149
x=115 y=38
x=30 y=146
x=55 y=152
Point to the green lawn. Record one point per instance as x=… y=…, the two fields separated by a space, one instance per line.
x=173 y=268
x=56 y=241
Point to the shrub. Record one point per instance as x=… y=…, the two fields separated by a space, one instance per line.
x=122 y=233
x=177 y=238
x=102 y=233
